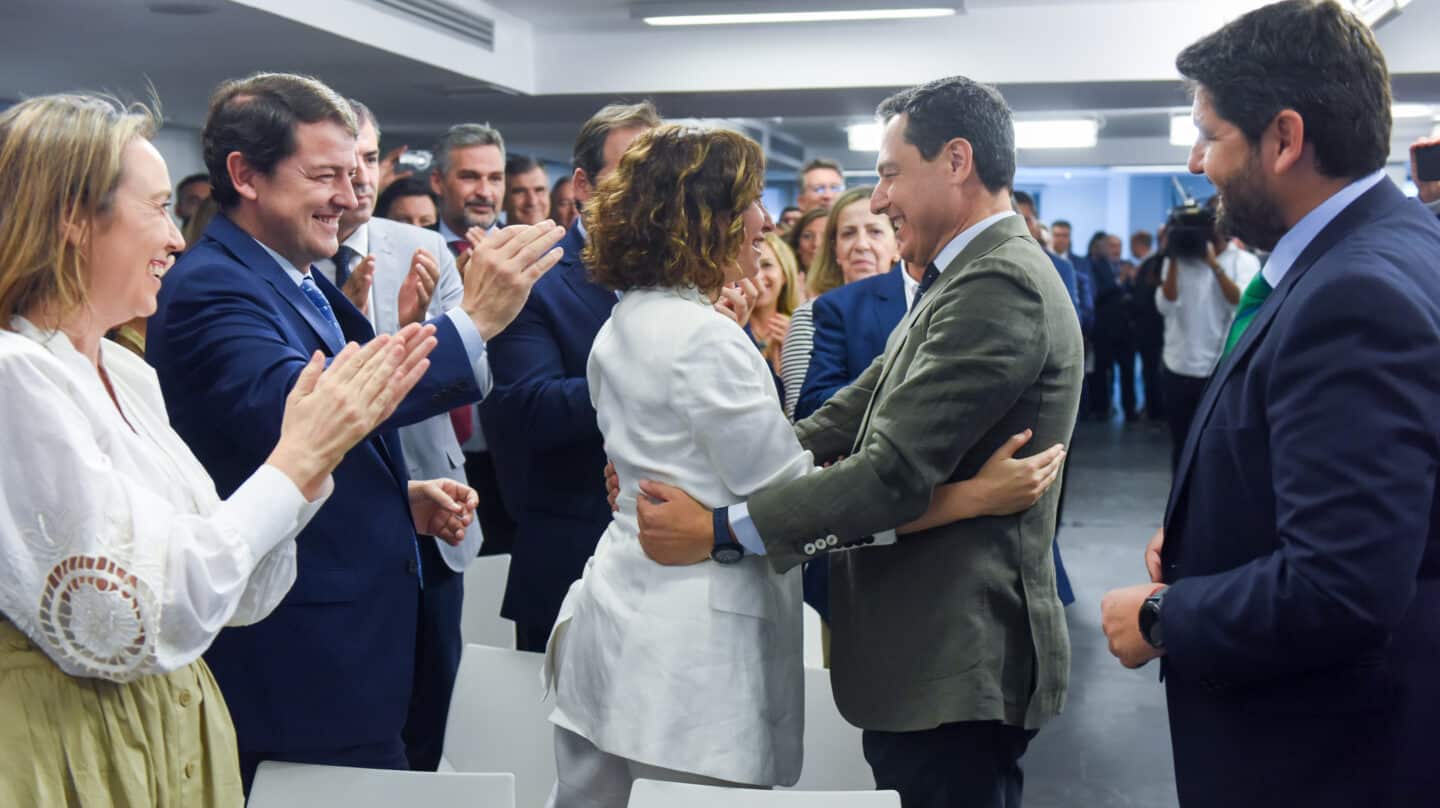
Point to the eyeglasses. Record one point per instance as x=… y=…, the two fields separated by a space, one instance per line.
x=820 y=189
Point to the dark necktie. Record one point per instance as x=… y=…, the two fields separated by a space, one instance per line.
x=459 y=246
x=1250 y=302
x=342 y=259
x=926 y=281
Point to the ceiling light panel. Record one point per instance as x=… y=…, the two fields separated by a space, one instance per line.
x=1060 y=133
x=781 y=17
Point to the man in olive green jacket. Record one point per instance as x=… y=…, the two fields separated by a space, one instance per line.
x=949 y=645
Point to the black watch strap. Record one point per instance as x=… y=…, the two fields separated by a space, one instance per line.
x=725 y=550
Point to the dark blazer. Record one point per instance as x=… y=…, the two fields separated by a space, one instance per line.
x=1302 y=542
x=541 y=393
x=852 y=323
x=331 y=667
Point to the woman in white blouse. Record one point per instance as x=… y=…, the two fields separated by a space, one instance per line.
x=688 y=673
x=120 y=563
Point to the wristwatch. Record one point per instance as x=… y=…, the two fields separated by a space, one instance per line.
x=727 y=551
x=1150 y=627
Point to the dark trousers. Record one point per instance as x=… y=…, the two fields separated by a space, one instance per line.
x=1150 y=371
x=974 y=764
x=495 y=521
x=1182 y=398
x=437 y=658
x=1113 y=352
x=387 y=755
x=531 y=637
x=1062 y=579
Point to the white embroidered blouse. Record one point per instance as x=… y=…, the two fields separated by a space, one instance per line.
x=117 y=557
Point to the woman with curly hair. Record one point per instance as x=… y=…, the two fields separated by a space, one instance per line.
x=689 y=673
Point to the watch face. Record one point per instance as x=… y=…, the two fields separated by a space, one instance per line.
x=728 y=554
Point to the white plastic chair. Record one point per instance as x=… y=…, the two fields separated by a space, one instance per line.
x=480 y=620
x=834 y=756
x=302 y=785
x=655 y=794
x=814 y=653
x=499 y=722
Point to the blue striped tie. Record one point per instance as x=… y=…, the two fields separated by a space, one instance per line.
x=317 y=299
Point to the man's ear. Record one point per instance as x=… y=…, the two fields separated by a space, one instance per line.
x=959 y=157
x=437 y=184
x=1283 y=141
x=580 y=186
x=242 y=175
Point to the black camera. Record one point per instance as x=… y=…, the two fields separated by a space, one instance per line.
x=1189 y=230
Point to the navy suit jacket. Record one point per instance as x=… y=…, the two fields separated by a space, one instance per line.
x=541 y=393
x=331 y=667
x=852 y=323
x=1302 y=544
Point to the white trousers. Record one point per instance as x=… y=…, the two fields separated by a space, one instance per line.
x=590 y=778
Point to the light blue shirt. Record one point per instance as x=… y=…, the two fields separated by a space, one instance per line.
x=469 y=335
x=740 y=522
x=1296 y=239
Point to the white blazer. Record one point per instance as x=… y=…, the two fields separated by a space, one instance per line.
x=694 y=668
x=431 y=449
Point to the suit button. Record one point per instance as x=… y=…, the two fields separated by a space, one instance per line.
x=832 y=540
x=412 y=566
x=190 y=769
x=186 y=698
x=809 y=548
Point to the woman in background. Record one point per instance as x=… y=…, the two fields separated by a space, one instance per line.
x=777 y=299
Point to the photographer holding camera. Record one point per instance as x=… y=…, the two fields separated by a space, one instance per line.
x=1203 y=275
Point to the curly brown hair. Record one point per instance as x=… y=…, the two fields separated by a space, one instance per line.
x=670 y=215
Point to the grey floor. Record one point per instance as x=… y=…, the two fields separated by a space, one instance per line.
x=1111 y=747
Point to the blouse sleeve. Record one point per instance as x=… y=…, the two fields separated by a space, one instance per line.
x=106 y=575
x=795 y=354
x=723 y=385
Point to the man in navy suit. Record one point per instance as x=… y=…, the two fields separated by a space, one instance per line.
x=852 y=323
x=541 y=394
x=1295 y=595
x=327 y=677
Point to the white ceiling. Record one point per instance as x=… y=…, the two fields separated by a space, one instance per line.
x=562 y=59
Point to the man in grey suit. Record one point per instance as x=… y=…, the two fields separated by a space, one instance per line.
x=398 y=274
x=949 y=646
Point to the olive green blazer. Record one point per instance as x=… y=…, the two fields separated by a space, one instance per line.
x=961 y=622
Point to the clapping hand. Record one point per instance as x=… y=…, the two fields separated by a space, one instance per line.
x=329 y=410
x=442 y=508
x=500 y=269
x=357 y=286
x=418 y=288
x=737 y=300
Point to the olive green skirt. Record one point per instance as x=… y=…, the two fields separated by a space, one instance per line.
x=162 y=740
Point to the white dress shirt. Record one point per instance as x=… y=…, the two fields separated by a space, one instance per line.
x=477 y=443
x=117 y=557
x=696 y=668
x=1198 y=320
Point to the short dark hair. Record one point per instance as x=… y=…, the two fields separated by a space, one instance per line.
x=958 y=107
x=1100 y=235
x=589 y=152
x=1144 y=237
x=1023 y=198
x=399 y=189
x=517 y=164
x=821 y=162
x=257 y=116
x=1310 y=56
x=1061 y=223
x=463 y=136
x=789 y=208
x=190 y=180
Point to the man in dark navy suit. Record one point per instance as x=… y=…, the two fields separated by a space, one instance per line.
x=1295 y=595
x=852 y=323
x=541 y=396
x=327 y=677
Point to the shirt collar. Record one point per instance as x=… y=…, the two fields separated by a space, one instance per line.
x=580 y=223
x=295 y=274
x=448 y=234
x=949 y=252
x=1297 y=238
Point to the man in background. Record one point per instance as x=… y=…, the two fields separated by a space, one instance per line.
x=189 y=193
x=527 y=190
x=821 y=180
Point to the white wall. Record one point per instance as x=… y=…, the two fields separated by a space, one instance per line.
x=180 y=146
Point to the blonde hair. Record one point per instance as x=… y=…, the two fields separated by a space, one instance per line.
x=789 y=297
x=60 y=164
x=824 y=272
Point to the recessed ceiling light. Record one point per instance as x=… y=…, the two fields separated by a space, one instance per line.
x=774 y=17
x=1059 y=133
x=182 y=8
x=1411 y=111
x=863 y=136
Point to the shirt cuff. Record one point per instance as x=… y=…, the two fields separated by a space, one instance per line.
x=267 y=509
x=474 y=348
x=744 y=529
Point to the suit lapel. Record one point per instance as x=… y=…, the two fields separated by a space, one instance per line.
x=1372 y=202
x=889 y=297
x=387 y=283
x=595 y=297
x=249 y=252
x=983 y=243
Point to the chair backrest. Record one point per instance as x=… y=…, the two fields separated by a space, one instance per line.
x=498 y=721
x=655 y=794
x=480 y=620
x=834 y=756
x=303 y=785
